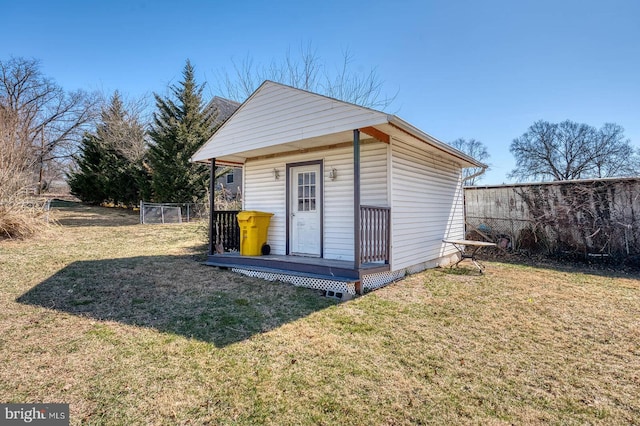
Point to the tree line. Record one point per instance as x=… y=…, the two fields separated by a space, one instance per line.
x=122 y=163
x=40 y=124
x=112 y=155
x=108 y=154
x=562 y=151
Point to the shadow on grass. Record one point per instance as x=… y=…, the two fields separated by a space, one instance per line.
x=175 y=294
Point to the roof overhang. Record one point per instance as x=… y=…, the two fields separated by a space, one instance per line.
x=278 y=119
x=467 y=161
x=304 y=145
x=394 y=128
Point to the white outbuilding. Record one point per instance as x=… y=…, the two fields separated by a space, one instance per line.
x=359 y=197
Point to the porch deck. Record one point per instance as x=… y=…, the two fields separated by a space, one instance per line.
x=329 y=269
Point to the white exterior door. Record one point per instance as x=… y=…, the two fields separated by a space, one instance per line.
x=305 y=210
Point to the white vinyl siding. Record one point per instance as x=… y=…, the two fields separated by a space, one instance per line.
x=374 y=174
x=427 y=205
x=263 y=192
x=277 y=114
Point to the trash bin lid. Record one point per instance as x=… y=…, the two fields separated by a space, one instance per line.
x=247 y=214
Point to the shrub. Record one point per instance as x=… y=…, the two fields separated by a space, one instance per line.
x=20 y=219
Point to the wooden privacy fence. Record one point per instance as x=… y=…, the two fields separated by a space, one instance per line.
x=590 y=218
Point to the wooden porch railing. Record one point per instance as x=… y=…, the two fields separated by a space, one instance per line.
x=375 y=234
x=226 y=231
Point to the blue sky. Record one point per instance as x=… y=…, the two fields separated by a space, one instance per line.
x=474 y=69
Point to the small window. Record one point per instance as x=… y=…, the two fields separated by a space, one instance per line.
x=230 y=178
x=307 y=192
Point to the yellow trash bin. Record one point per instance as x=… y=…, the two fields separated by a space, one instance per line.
x=254 y=227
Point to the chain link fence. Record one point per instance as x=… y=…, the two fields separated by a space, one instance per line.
x=162 y=213
x=35 y=207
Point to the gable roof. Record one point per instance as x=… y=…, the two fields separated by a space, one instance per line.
x=224 y=107
x=278 y=118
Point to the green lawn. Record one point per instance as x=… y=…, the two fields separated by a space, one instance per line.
x=122 y=322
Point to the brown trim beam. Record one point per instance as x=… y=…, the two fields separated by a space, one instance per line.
x=377 y=134
x=230 y=164
x=221 y=163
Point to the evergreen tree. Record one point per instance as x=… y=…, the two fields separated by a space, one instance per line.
x=181 y=125
x=111 y=167
x=88 y=182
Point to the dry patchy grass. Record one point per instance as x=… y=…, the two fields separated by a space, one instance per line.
x=121 y=321
x=21 y=219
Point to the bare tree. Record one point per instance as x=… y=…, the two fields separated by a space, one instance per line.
x=569 y=150
x=121 y=126
x=15 y=157
x=41 y=122
x=307 y=72
x=614 y=155
x=475 y=149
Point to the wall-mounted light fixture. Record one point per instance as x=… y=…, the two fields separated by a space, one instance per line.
x=333 y=174
x=276 y=173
